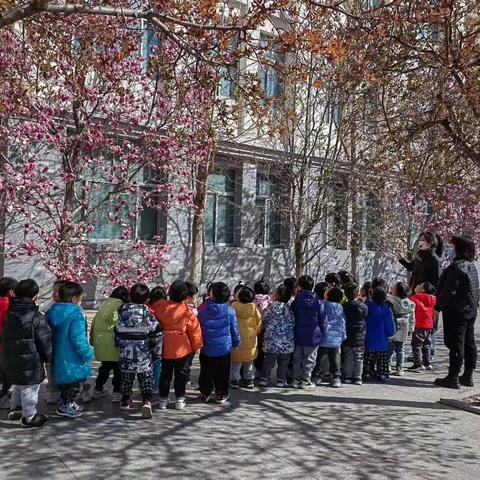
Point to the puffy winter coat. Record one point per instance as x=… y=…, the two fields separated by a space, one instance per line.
x=102 y=331
x=27 y=341
x=4 y=302
x=219 y=328
x=309 y=324
x=355 y=314
x=138 y=336
x=425 y=267
x=424 y=304
x=403 y=311
x=458 y=290
x=249 y=320
x=380 y=327
x=278 y=329
x=71 y=352
x=332 y=315
x=182 y=334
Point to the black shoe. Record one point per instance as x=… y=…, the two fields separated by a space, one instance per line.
x=466 y=380
x=234 y=384
x=221 y=398
x=447 y=382
x=249 y=384
x=37 y=421
x=15 y=414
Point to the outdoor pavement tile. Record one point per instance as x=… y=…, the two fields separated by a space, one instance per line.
x=37 y=470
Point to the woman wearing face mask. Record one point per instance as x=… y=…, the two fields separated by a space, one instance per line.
x=457 y=299
x=425 y=267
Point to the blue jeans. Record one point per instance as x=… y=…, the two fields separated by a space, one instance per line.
x=25 y=396
x=398 y=348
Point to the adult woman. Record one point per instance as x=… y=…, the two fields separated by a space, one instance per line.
x=457 y=299
x=425 y=267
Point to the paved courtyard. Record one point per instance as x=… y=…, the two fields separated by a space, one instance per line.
x=398 y=431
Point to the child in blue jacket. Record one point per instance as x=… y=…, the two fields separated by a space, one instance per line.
x=379 y=328
x=71 y=351
x=220 y=335
x=331 y=313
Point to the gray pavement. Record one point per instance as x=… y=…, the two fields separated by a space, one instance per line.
x=395 y=431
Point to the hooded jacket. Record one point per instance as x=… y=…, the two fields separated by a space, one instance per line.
x=458 y=290
x=355 y=315
x=379 y=326
x=310 y=326
x=249 y=322
x=219 y=328
x=138 y=337
x=182 y=334
x=278 y=329
x=424 y=304
x=332 y=316
x=71 y=352
x=4 y=302
x=425 y=267
x=27 y=341
x=403 y=311
x=102 y=331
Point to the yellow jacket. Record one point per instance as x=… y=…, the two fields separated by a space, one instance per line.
x=249 y=325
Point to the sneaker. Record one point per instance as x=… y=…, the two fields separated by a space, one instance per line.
x=180 y=403
x=5 y=402
x=221 y=398
x=358 y=381
x=382 y=379
x=306 y=385
x=318 y=382
x=36 y=421
x=234 y=384
x=429 y=367
x=77 y=407
x=53 y=398
x=15 y=414
x=466 y=380
x=416 y=368
x=400 y=372
x=249 y=384
x=97 y=394
x=126 y=405
x=163 y=403
x=116 y=397
x=69 y=411
x=294 y=383
x=281 y=384
x=447 y=382
x=347 y=380
x=147 y=410
x=207 y=398
x=336 y=383
x=263 y=382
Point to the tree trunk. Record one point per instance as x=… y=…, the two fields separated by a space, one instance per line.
x=356 y=235
x=198 y=224
x=299 y=253
x=3 y=155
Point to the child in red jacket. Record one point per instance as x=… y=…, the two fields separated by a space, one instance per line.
x=424 y=300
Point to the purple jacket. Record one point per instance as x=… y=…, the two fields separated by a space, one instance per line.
x=310 y=327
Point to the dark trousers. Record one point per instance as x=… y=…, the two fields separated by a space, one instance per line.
x=181 y=368
x=214 y=374
x=145 y=383
x=459 y=338
x=333 y=355
x=5 y=383
x=376 y=364
x=421 y=343
x=104 y=374
x=69 y=392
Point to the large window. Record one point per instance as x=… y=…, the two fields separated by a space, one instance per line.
x=373 y=223
x=270 y=71
x=150 y=42
x=269 y=214
x=220 y=208
x=229 y=73
x=338 y=219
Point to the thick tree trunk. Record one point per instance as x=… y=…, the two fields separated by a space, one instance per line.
x=356 y=235
x=198 y=224
x=299 y=254
x=3 y=154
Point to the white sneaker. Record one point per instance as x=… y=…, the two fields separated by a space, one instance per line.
x=306 y=385
x=116 y=397
x=180 y=403
x=281 y=383
x=147 y=410
x=336 y=383
x=97 y=394
x=294 y=383
x=5 y=402
x=53 y=398
x=263 y=382
x=163 y=403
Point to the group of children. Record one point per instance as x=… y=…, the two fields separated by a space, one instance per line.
x=328 y=332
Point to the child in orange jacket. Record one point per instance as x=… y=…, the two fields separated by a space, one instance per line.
x=182 y=337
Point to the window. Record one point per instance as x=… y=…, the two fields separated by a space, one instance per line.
x=220 y=208
x=150 y=42
x=338 y=224
x=270 y=72
x=229 y=73
x=270 y=221
x=373 y=222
